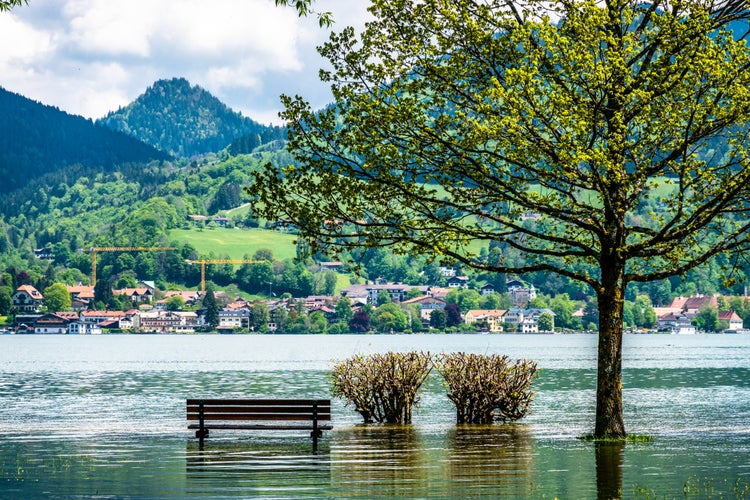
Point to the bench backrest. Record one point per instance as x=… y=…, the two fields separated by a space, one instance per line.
x=259 y=409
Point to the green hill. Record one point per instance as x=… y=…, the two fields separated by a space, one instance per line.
x=186 y=120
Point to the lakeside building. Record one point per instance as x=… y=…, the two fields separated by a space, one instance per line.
x=27 y=299
x=491 y=319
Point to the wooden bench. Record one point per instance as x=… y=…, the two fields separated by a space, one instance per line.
x=273 y=414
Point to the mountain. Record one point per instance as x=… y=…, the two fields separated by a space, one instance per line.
x=186 y=120
x=36 y=139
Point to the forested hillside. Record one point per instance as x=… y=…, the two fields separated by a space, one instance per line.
x=186 y=120
x=36 y=139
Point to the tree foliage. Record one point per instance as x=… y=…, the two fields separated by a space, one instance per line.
x=620 y=126
x=389 y=318
x=212 y=308
x=9 y=4
x=56 y=298
x=360 y=322
x=438 y=319
x=304 y=8
x=6 y=300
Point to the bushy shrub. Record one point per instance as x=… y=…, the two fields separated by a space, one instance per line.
x=382 y=387
x=487 y=388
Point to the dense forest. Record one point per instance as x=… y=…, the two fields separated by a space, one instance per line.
x=186 y=121
x=36 y=140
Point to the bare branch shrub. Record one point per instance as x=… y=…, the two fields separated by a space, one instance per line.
x=487 y=388
x=382 y=387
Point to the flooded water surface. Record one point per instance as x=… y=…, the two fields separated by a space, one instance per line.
x=104 y=417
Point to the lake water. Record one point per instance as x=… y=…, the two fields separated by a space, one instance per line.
x=104 y=417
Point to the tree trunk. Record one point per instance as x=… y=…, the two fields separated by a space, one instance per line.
x=609 y=420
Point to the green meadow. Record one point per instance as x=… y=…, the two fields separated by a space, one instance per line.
x=236 y=243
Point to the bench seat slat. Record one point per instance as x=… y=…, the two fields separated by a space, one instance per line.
x=261 y=427
x=273 y=402
x=258 y=409
x=252 y=416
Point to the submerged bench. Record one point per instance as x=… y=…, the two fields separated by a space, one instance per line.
x=272 y=414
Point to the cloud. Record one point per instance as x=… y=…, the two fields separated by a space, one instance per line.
x=90 y=57
x=29 y=44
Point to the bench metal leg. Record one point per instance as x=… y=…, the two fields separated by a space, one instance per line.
x=202 y=432
x=315 y=435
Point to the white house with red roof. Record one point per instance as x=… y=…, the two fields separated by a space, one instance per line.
x=27 y=299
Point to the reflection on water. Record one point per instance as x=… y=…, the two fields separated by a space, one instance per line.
x=609 y=460
x=482 y=459
x=259 y=468
x=105 y=417
x=390 y=460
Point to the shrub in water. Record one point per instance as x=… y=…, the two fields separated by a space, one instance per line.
x=382 y=387
x=487 y=388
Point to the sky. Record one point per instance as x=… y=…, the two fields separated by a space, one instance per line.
x=89 y=57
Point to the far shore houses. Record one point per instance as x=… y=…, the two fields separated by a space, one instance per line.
x=150 y=314
x=678 y=316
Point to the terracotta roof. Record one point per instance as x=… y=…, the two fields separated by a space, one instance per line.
x=106 y=314
x=729 y=316
x=31 y=291
x=81 y=291
x=72 y=315
x=486 y=313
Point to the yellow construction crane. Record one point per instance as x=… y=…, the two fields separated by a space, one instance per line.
x=203 y=263
x=94 y=251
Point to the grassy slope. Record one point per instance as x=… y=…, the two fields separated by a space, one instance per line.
x=236 y=243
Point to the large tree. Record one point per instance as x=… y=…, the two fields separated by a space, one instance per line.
x=606 y=141
x=57 y=298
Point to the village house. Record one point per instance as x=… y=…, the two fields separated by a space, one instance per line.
x=487 y=289
x=677 y=316
x=130 y=320
x=426 y=304
x=491 y=319
x=369 y=293
x=168 y=321
x=734 y=321
x=331 y=266
x=44 y=254
x=203 y=219
x=234 y=318
x=527 y=320
x=676 y=323
x=189 y=297
x=136 y=295
x=447 y=272
x=52 y=323
x=81 y=328
x=520 y=293
x=277 y=310
x=81 y=296
x=96 y=317
x=27 y=299
x=691 y=305
x=458 y=282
